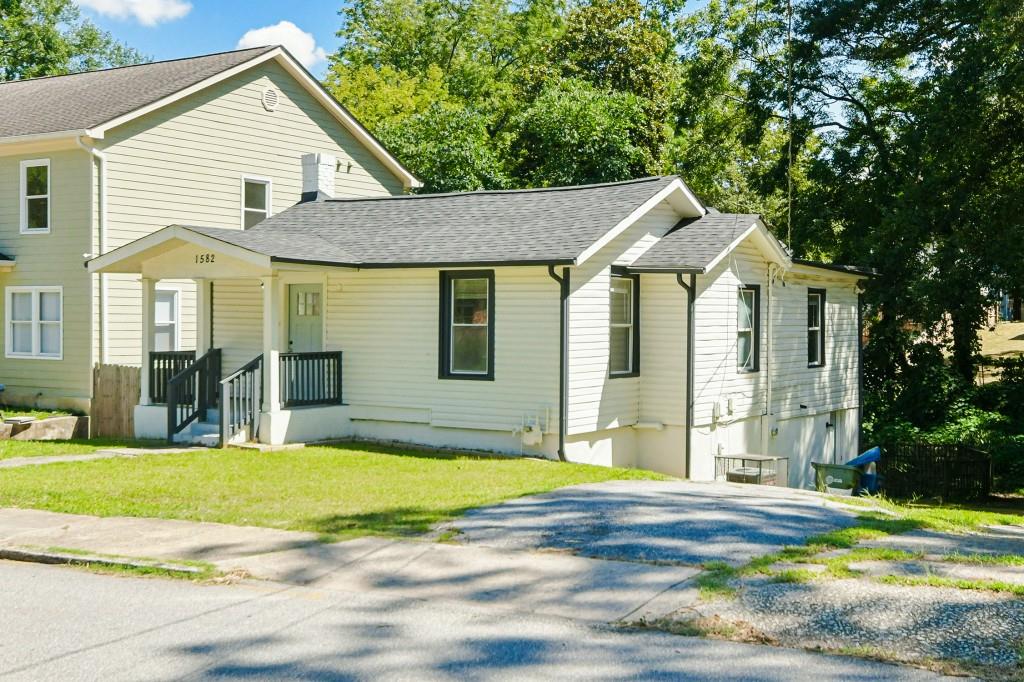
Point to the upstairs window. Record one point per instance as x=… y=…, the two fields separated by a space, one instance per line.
x=624 y=342
x=815 y=327
x=467 y=325
x=35 y=196
x=255 y=201
x=35 y=322
x=748 y=329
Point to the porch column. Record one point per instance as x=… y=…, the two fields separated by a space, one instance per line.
x=204 y=334
x=148 y=323
x=271 y=343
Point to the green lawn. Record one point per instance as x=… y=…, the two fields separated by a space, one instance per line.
x=337 y=491
x=41 y=448
x=21 y=411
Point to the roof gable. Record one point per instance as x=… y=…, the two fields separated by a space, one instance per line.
x=91 y=103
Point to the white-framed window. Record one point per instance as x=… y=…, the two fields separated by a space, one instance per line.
x=255 y=200
x=35 y=196
x=166 y=319
x=815 y=327
x=34 y=319
x=748 y=329
x=623 y=353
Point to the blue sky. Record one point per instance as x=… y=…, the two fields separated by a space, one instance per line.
x=167 y=29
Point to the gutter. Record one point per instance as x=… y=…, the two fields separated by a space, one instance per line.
x=563 y=354
x=102 y=230
x=691 y=326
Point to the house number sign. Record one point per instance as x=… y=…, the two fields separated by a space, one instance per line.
x=204 y=258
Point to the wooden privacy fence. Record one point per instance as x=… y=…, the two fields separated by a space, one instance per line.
x=115 y=393
x=952 y=472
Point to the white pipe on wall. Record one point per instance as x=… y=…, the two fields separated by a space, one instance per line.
x=101 y=159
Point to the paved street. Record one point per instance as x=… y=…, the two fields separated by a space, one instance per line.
x=63 y=623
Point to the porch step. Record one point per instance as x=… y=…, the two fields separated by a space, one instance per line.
x=200 y=433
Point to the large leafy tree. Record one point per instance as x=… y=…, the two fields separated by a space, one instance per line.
x=50 y=37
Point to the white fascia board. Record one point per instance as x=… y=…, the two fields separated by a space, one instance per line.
x=42 y=137
x=304 y=78
x=171 y=233
x=7 y=265
x=826 y=273
x=766 y=241
x=677 y=194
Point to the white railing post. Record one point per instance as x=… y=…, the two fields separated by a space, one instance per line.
x=148 y=323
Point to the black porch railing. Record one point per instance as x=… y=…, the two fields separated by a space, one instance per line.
x=191 y=392
x=310 y=379
x=241 y=400
x=162 y=366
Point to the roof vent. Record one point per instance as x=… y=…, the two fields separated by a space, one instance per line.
x=269 y=99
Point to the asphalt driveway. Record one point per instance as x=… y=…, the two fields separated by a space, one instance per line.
x=674 y=521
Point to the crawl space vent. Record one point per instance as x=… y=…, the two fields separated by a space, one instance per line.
x=269 y=99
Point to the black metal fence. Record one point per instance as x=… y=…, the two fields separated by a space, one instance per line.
x=952 y=472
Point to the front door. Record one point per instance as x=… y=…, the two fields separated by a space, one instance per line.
x=305 y=318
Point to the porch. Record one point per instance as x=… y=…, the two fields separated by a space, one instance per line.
x=262 y=369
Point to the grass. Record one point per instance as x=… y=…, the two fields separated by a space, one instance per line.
x=986 y=559
x=22 y=411
x=959 y=583
x=10 y=449
x=337 y=491
x=715 y=582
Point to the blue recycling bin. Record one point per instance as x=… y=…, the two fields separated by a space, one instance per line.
x=869 y=481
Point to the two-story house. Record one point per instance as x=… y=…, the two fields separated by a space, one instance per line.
x=92 y=161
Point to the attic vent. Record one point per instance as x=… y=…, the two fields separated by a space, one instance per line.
x=269 y=99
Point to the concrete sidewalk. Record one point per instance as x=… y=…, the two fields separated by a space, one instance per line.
x=547 y=583
x=151 y=538
x=17 y=462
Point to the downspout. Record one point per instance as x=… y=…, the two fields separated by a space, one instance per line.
x=101 y=229
x=691 y=326
x=563 y=353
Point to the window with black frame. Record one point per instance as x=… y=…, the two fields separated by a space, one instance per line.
x=815 y=327
x=466 y=345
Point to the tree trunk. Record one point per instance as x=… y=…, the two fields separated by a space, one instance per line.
x=965 y=342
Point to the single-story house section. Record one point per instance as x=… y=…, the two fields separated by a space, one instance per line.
x=621 y=324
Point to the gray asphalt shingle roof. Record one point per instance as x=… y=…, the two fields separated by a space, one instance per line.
x=527 y=226
x=695 y=242
x=85 y=100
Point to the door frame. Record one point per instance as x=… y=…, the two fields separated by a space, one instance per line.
x=285 y=279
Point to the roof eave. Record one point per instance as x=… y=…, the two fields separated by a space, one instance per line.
x=425 y=264
x=859 y=273
x=43 y=137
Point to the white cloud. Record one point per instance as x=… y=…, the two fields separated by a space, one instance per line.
x=302 y=45
x=146 y=12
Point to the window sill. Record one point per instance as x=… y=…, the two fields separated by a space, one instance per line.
x=748 y=371
x=815 y=365
x=467 y=377
x=623 y=375
x=27 y=356
x=28 y=231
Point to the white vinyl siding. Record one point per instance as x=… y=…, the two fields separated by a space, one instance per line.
x=386 y=323
x=663 y=305
x=716 y=378
x=596 y=400
x=35 y=322
x=35 y=196
x=184 y=164
x=817 y=389
x=45 y=261
x=237 y=321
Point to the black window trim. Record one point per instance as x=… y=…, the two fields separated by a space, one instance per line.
x=821 y=326
x=756 y=331
x=444 y=332
x=635 y=359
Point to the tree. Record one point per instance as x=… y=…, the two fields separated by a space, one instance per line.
x=49 y=38
x=574 y=133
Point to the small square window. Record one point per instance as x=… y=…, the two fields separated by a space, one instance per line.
x=35 y=326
